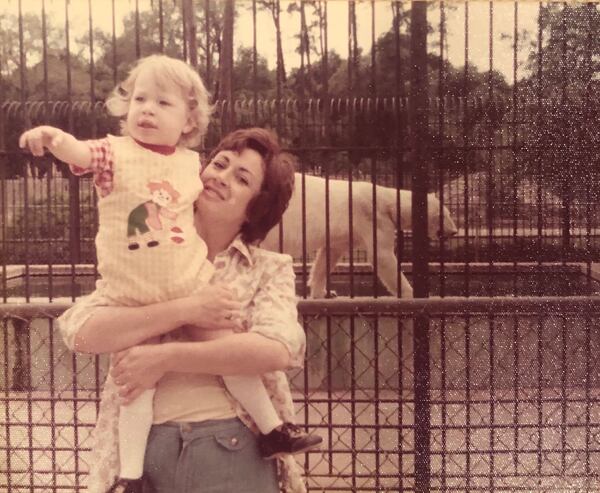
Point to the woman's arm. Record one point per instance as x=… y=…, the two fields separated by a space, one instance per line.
x=237 y=354
x=141 y=367
x=114 y=328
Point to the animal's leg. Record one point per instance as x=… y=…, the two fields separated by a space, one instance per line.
x=387 y=266
x=318 y=273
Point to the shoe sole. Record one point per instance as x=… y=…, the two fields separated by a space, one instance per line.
x=308 y=448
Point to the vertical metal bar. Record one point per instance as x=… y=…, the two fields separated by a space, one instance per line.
x=114 y=43
x=467 y=402
x=351 y=17
x=419 y=113
x=514 y=140
x=325 y=116
x=491 y=185
x=377 y=398
x=3 y=178
x=492 y=407
x=279 y=77
x=467 y=157
x=7 y=405
x=441 y=135
x=279 y=89
x=539 y=89
x=26 y=328
x=353 y=387
x=444 y=405
x=588 y=386
x=327 y=229
x=372 y=119
x=255 y=65
x=49 y=242
x=75 y=389
x=303 y=129
x=373 y=88
x=52 y=398
x=375 y=262
x=566 y=154
x=74 y=205
x=50 y=254
x=307 y=389
x=27 y=124
x=563 y=396
x=586 y=116
x=399 y=145
x=3 y=202
x=349 y=67
x=304 y=246
x=540 y=413
x=94 y=122
x=516 y=388
x=330 y=406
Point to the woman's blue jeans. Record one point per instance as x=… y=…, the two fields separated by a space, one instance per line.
x=219 y=456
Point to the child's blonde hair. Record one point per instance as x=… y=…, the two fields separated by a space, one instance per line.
x=165 y=69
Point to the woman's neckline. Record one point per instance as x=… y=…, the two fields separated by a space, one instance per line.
x=161 y=149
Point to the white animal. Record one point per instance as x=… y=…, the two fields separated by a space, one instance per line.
x=362 y=227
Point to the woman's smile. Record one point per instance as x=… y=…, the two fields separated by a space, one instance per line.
x=212 y=192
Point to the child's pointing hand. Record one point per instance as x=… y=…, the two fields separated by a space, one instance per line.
x=39 y=137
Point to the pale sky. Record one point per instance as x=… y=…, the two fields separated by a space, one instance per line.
x=503 y=12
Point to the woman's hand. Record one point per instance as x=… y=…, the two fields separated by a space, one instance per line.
x=213 y=308
x=138 y=368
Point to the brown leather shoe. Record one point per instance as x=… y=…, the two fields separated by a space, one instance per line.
x=290 y=439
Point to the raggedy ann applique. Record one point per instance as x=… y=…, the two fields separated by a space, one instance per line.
x=146 y=218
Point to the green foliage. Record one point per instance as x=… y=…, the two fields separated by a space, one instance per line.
x=42 y=230
x=563 y=137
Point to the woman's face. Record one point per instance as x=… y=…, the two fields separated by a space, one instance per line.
x=231 y=180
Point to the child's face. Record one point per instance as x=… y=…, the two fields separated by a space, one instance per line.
x=158 y=114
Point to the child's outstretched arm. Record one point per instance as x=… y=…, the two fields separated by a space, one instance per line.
x=61 y=144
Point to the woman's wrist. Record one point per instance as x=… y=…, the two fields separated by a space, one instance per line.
x=184 y=311
x=167 y=356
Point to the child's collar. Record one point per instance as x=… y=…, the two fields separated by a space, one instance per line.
x=161 y=149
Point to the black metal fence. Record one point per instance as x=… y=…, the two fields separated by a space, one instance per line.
x=512 y=386
x=445 y=394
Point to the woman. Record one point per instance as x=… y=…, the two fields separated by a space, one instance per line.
x=201 y=439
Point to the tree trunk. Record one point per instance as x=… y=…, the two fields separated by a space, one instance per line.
x=280 y=63
x=191 y=41
x=225 y=90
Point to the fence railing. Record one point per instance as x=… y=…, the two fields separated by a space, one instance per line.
x=509 y=396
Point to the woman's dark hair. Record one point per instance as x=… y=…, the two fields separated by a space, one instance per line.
x=265 y=210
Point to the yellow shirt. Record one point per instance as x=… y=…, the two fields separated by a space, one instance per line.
x=147 y=246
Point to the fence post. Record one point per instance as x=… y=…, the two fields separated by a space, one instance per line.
x=420 y=179
x=22 y=366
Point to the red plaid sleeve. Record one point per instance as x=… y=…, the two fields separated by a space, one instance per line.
x=101 y=165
